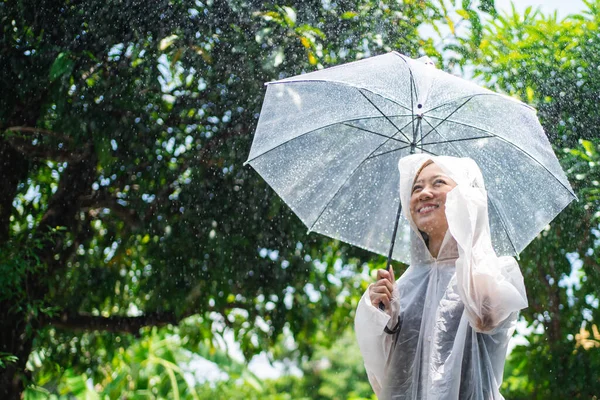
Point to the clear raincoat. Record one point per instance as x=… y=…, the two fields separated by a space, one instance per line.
x=456 y=313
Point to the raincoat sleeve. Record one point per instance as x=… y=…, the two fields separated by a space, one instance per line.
x=490 y=287
x=374 y=343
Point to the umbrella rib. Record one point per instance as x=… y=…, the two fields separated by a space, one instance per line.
x=389 y=151
x=385 y=116
x=470 y=96
x=444 y=120
x=412 y=107
x=412 y=86
x=501 y=218
x=338 y=83
x=311 y=131
x=346 y=180
x=400 y=148
x=493 y=135
x=379 y=116
x=392 y=137
x=375 y=133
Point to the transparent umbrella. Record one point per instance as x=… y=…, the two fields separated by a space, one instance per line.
x=329 y=142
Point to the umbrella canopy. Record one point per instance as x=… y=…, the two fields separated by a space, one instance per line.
x=328 y=142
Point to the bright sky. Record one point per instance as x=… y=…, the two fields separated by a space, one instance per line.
x=564 y=7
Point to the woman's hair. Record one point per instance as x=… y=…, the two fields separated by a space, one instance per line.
x=425 y=164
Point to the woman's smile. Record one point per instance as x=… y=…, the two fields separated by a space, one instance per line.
x=427 y=208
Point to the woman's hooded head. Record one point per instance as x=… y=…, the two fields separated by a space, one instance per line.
x=463 y=171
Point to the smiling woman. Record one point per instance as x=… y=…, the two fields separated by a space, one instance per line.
x=448 y=319
x=428 y=204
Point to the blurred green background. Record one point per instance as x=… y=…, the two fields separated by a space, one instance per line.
x=138 y=257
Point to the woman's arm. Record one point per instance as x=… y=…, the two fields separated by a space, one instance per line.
x=490 y=287
x=369 y=324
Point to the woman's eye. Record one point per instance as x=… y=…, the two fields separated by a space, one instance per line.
x=415 y=188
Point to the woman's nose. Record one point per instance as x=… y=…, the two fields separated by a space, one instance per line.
x=426 y=193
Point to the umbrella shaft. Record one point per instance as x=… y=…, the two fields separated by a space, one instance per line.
x=416 y=130
x=389 y=262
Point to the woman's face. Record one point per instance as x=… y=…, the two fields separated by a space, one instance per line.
x=428 y=200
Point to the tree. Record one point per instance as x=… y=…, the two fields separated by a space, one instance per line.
x=552 y=65
x=124 y=126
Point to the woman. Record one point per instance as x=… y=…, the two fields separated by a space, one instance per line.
x=448 y=319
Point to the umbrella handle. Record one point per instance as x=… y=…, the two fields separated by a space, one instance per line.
x=389 y=260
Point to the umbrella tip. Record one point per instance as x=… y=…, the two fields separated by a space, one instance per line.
x=426 y=60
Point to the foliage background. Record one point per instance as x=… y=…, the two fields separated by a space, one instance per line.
x=133 y=243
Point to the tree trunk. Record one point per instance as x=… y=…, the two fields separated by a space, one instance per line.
x=17 y=325
x=14 y=340
x=13 y=169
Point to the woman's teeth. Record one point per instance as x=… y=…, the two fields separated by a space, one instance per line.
x=426 y=209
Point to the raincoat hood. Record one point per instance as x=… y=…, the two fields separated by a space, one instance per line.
x=464 y=171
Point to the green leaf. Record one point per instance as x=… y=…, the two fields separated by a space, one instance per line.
x=580 y=154
x=349 y=15
x=103 y=150
x=62 y=65
x=463 y=13
x=477 y=27
x=36 y=393
x=74 y=384
x=530 y=94
x=589 y=147
x=450 y=24
x=488 y=6
x=308 y=29
x=289 y=15
x=166 y=42
x=271 y=16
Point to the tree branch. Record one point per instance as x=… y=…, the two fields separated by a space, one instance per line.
x=39 y=131
x=123 y=324
x=13 y=170
x=62 y=152
x=116 y=324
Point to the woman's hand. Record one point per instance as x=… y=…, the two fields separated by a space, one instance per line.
x=383 y=290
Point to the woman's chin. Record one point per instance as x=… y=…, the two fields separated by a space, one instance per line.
x=435 y=229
